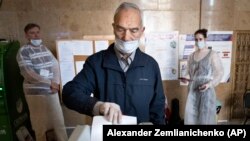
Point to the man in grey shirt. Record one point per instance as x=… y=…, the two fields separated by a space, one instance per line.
x=40 y=70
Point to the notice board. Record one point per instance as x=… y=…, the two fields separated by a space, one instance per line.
x=72 y=54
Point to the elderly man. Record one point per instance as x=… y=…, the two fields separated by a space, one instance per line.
x=124 y=80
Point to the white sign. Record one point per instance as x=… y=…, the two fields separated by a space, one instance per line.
x=163 y=47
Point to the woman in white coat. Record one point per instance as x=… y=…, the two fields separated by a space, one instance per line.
x=205 y=72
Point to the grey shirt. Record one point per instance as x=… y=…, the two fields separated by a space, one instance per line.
x=39 y=67
x=124 y=60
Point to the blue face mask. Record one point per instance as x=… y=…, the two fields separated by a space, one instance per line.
x=200 y=44
x=126 y=46
x=36 y=42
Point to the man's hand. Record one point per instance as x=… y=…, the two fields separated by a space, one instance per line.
x=111 y=111
x=54 y=87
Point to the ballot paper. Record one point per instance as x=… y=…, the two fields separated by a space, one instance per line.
x=99 y=121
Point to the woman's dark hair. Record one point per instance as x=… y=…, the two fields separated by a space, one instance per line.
x=29 y=26
x=201 y=31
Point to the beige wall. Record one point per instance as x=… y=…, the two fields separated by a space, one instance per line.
x=71 y=19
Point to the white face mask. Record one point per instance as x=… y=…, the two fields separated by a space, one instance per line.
x=200 y=44
x=126 y=46
x=36 y=42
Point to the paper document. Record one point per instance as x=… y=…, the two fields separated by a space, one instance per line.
x=99 y=121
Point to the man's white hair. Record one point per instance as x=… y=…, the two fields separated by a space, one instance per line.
x=128 y=5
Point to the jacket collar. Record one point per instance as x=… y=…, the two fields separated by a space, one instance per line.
x=111 y=60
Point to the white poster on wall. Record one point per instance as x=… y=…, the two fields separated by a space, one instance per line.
x=67 y=49
x=79 y=66
x=186 y=46
x=82 y=47
x=67 y=71
x=221 y=41
x=101 y=45
x=163 y=47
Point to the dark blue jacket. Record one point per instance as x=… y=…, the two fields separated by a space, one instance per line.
x=139 y=91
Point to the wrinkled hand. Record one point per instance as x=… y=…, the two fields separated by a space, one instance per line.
x=184 y=80
x=204 y=87
x=111 y=111
x=54 y=87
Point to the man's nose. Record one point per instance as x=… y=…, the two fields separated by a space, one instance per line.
x=37 y=35
x=127 y=36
